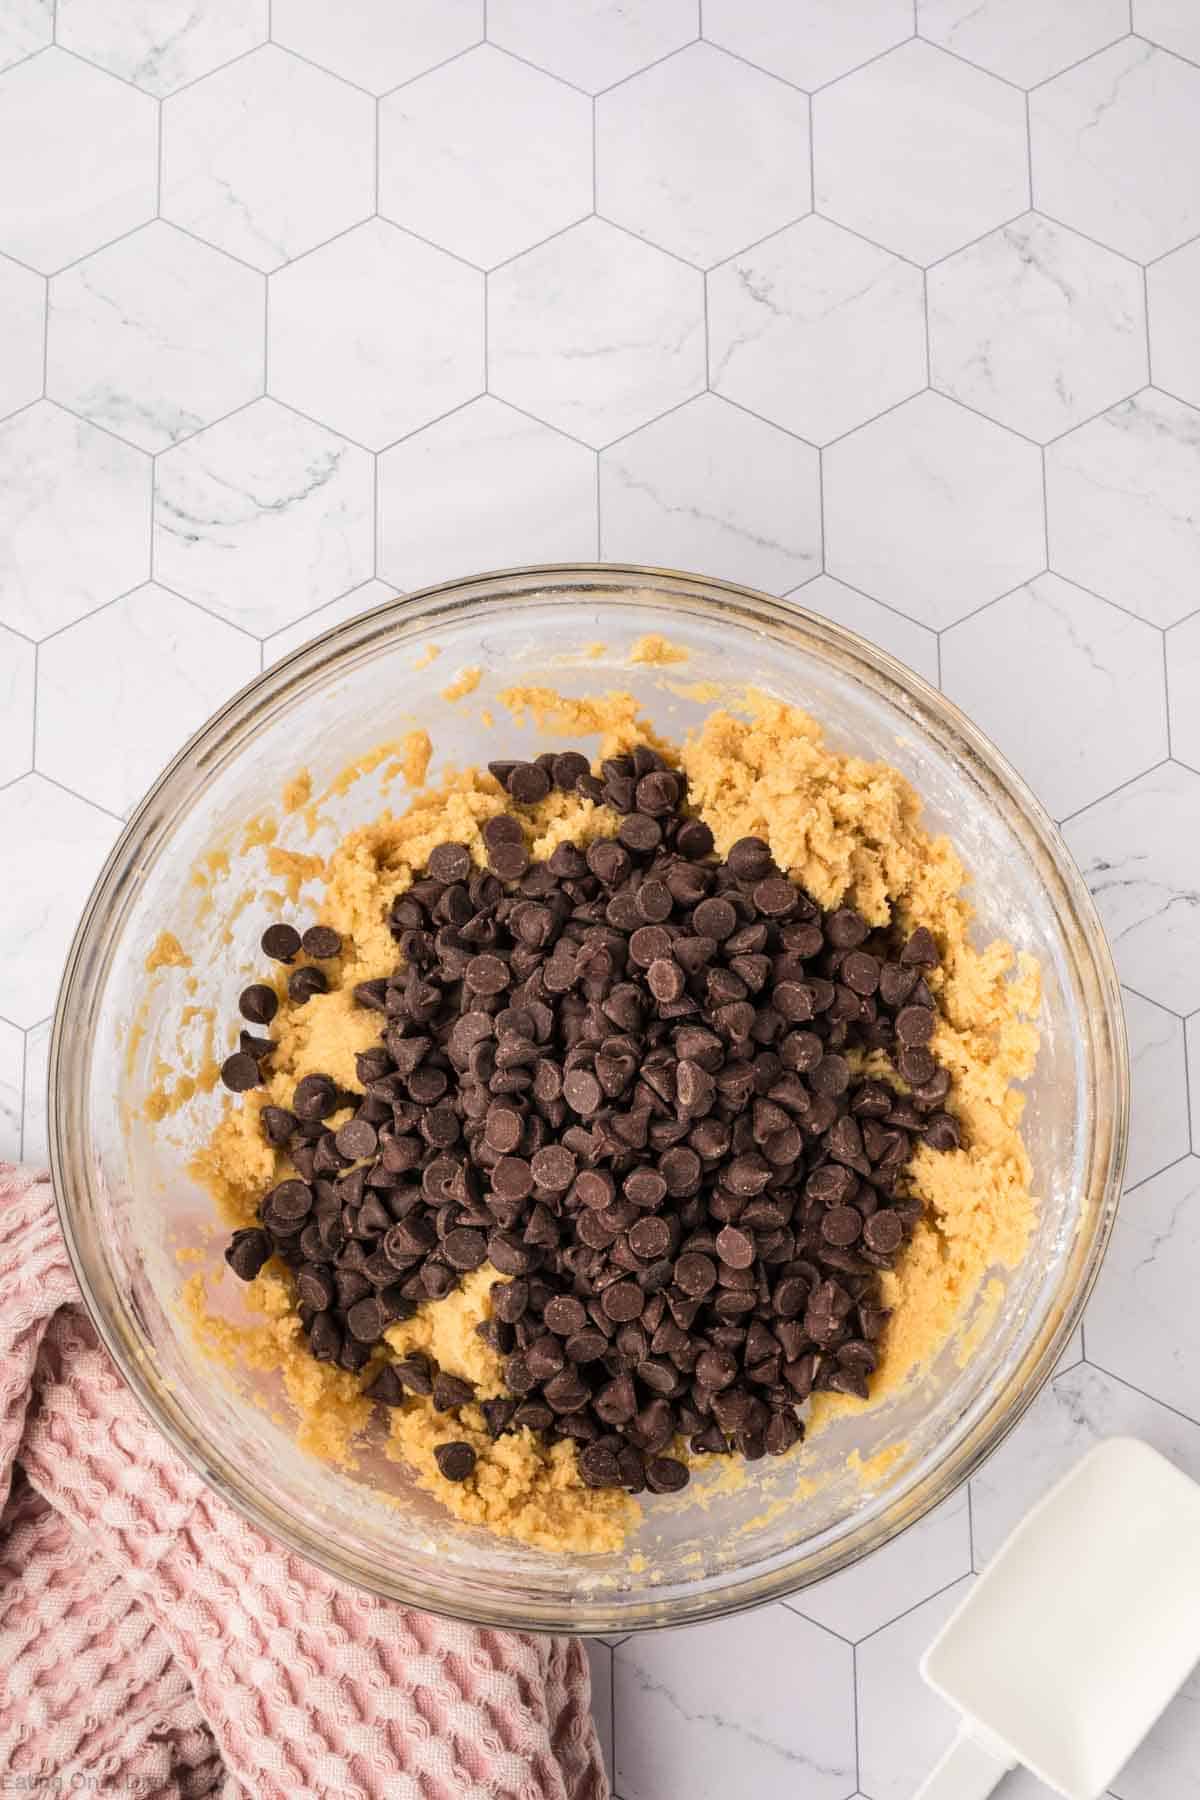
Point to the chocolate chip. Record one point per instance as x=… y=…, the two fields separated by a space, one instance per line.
x=528 y=783
x=942 y=1132
x=258 y=1003
x=239 y=1072
x=694 y=840
x=883 y=1232
x=450 y=1392
x=306 y=982
x=315 y=1097
x=921 y=951
x=914 y=1026
x=247 y=1252
x=665 y=1475
x=321 y=942
x=280 y=942
x=846 y=929
x=750 y=858
x=449 y=862
x=455 y=1461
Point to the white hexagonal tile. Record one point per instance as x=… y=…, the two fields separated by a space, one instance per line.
x=881 y=160
x=74 y=519
x=17 y=663
x=933 y=510
x=1037 y=327
x=1045 y=671
x=63 y=843
x=595 y=332
x=1026 y=41
x=377 y=44
x=268 y=158
x=1142 y=863
x=169 y=666
x=1168 y=23
x=263 y=517
x=761 y=1733
x=1142 y=1323
x=59 y=197
x=1193 y=1058
x=1183 y=686
x=25 y=26
x=675 y=493
x=592 y=42
x=376 y=334
x=816 y=329
x=1074 y=1412
x=891 y=631
x=1103 y=133
x=702 y=154
x=1173 y=293
x=486 y=156
x=600 y=1665
x=12 y=1072
x=1158 y=1132
x=34 y=1149
x=1121 y=505
x=160 y=45
x=809 y=44
x=346 y=606
x=920 y=1562
x=486 y=488
x=22 y=345
x=155 y=336
x=903 y=1727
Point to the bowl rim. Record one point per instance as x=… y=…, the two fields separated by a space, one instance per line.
x=620 y=583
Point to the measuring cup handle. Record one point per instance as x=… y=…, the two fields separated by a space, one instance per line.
x=968 y=1771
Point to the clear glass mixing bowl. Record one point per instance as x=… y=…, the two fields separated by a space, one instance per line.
x=127 y=1201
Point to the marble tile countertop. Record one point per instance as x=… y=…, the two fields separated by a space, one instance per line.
x=894 y=310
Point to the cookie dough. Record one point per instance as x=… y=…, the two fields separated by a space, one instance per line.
x=847 y=830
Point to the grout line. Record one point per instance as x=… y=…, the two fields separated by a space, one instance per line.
x=84 y=799
x=855 y=1707
x=1068 y=818
x=1166 y=667
x=595 y=155
x=612 y=1711
x=1187 y=1085
x=925 y=320
x=1123 y=1381
x=1157 y=1004
x=821 y=506
x=915 y=1607
x=160 y=121
x=45 y=334
x=971 y=1527
x=24 y=1093
x=33 y=723
x=375 y=516
x=1134 y=1187
x=599 y=515
x=1146 y=317
x=1028 y=153
x=1045 y=505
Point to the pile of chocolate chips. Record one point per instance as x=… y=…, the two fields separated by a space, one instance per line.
x=623 y=1077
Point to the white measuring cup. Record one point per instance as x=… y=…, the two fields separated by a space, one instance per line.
x=1085 y=1623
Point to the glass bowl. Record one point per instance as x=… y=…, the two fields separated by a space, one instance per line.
x=127 y=1202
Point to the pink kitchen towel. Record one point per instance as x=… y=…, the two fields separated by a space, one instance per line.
x=152 y=1643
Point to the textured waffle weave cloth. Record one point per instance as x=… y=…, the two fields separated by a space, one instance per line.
x=152 y=1643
